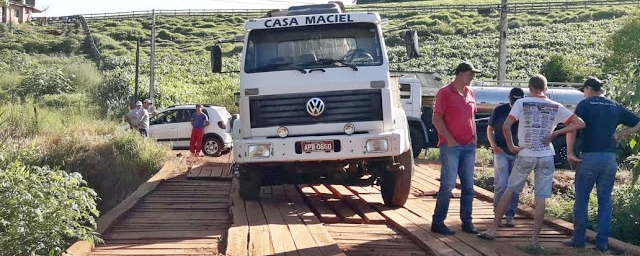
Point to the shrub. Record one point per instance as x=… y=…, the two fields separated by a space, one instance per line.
x=127 y=34
x=113 y=162
x=59 y=101
x=42 y=81
x=625 y=223
x=561 y=68
x=113 y=93
x=44 y=210
x=84 y=75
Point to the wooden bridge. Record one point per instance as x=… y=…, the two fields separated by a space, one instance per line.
x=199 y=212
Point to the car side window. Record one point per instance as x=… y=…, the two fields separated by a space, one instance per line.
x=184 y=116
x=165 y=117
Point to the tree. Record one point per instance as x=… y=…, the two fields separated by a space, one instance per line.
x=625 y=47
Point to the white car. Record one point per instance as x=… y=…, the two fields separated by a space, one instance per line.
x=172 y=126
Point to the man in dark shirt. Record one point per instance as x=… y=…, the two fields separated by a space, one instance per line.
x=597 y=163
x=503 y=158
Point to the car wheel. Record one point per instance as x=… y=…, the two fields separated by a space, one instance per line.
x=212 y=146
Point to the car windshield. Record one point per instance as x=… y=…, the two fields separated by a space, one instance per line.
x=325 y=46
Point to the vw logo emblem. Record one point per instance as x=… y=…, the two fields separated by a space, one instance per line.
x=315 y=107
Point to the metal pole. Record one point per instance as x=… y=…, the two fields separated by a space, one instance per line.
x=502 y=48
x=135 y=90
x=152 y=63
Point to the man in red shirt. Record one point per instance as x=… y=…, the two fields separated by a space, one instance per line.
x=454 y=118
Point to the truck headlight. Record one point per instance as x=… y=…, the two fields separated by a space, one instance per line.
x=376 y=145
x=259 y=150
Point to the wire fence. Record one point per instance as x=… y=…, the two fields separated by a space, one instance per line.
x=383 y=10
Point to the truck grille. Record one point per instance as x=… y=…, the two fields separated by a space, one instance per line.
x=340 y=106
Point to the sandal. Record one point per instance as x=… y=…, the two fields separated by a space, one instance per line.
x=485 y=236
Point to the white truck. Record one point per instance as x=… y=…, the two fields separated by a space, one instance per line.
x=418 y=97
x=318 y=105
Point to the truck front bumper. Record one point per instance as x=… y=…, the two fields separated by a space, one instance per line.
x=318 y=148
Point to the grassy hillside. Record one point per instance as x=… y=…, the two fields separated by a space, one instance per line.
x=446 y=38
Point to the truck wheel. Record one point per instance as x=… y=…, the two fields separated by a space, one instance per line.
x=560 y=158
x=396 y=185
x=417 y=140
x=250 y=184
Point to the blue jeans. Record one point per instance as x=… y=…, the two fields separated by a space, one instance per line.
x=456 y=161
x=502 y=166
x=597 y=168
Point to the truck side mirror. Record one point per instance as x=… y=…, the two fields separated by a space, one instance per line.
x=411 y=43
x=216 y=59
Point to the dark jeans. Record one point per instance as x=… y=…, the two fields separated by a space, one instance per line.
x=456 y=161
x=599 y=169
x=144 y=132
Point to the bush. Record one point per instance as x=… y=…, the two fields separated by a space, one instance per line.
x=59 y=101
x=626 y=214
x=114 y=163
x=113 y=94
x=42 y=81
x=561 y=68
x=44 y=210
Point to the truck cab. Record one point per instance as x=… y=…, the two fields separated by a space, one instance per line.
x=317 y=103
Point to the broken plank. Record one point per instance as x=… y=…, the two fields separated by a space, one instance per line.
x=323 y=239
x=368 y=214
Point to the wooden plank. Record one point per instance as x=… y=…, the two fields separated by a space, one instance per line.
x=80 y=248
x=105 y=221
x=237 y=242
x=302 y=237
x=199 y=251
x=283 y=243
x=482 y=246
x=369 y=215
x=213 y=243
x=324 y=213
x=206 y=172
x=322 y=238
x=420 y=236
x=259 y=238
x=194 y=172
x=342 y=210
x=216 y=171
x=167 y=234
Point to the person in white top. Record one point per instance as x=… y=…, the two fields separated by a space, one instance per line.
x=538 y=117
x=131 y=117
x=143 y=118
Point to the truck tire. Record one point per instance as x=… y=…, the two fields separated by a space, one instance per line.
x=560 y=159
x=250 y=185
x=417 y=140
x=396 y=185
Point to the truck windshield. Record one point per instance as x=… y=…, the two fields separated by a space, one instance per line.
x=322 y=46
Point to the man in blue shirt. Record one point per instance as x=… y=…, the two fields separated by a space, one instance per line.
x=597 y=163
x=503 y=158
x=199 y=120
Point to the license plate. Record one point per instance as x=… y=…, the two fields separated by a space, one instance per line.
x=316 y=146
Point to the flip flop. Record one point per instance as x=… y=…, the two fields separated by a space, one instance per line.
x=485 y=236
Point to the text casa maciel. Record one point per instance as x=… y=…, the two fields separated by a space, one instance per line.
x=310 y=20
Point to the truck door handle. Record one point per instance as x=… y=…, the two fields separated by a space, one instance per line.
x=409 y=103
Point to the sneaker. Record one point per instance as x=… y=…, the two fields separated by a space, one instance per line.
x=441 y=229
x=569 y=242
x=510 y=222
x=469 y=228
